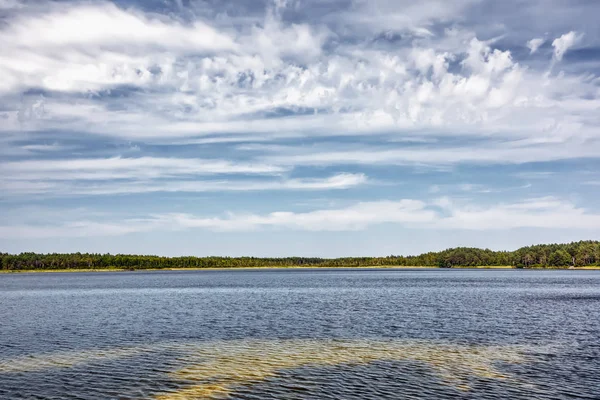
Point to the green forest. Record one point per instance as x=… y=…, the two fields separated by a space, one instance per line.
x=579 y=254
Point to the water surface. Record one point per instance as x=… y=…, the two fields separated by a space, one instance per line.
x=301 y=334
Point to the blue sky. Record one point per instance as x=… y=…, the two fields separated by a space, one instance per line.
x=298 y=127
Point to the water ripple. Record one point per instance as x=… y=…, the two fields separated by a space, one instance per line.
x=301 y=335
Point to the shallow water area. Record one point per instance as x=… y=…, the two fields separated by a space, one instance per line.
x=301 y=334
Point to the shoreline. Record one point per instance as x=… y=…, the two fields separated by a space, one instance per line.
x=391 y=267
x=24 y=271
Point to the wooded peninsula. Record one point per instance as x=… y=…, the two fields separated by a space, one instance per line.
x=576 y=254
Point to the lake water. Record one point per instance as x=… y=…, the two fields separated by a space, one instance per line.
x=301 y=334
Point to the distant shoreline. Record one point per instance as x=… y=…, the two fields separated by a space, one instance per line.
x=21 y=271
x=584 y=255
x=391 y=267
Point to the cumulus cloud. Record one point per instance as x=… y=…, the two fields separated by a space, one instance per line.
x=271 y=75
x=564 y=43
x=534 y=44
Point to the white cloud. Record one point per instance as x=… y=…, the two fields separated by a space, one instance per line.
x=355 y=217
x=127 y=168
x=564 y=43
x=86 y=26
x=442 y=213
x=200 y=79
x=489 y=153
x=69 y=186
x=76 y=229
x=405 y=83
x=274 y=42
x=535 y=213
x=534 y=44
x=73 y=50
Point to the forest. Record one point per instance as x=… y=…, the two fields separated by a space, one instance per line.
x=579 y=254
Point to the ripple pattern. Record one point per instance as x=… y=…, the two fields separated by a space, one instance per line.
x=301 y=335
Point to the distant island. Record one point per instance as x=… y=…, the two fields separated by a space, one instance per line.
x=583 y=254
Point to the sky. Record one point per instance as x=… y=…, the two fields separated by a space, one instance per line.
x=298 y=127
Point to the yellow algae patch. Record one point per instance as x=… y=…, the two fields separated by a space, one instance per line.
x=227 y=365
x=198 y=392
x=66 y=359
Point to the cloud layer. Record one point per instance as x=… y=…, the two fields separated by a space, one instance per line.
x=209 y=76
x=441 y=213
x=246 y=108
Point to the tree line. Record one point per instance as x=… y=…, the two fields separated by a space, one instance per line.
x=583 y=253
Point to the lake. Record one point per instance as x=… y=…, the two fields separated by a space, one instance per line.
x=301 y=334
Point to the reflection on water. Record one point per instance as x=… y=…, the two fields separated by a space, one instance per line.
x=301 y=335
